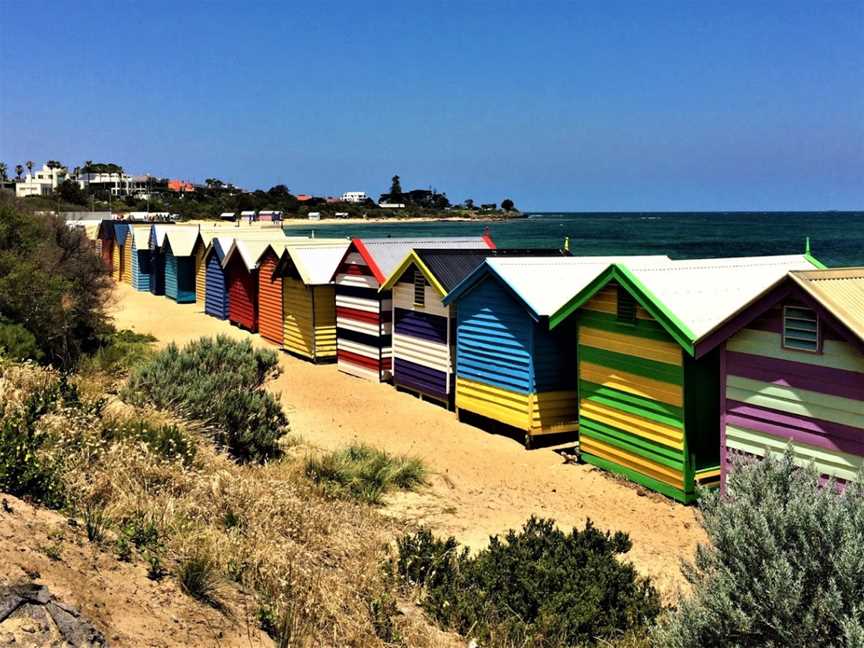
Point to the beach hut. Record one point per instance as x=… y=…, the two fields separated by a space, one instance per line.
x=424 y=332
x=792 y=371
x=106 y=244
x=119 y=255
x=241 y=280
x=216 y=293
x=179 y=263
x=141 y=269
x=363 y=313
x=309 y=300
x=649 y=367
x=271 y=324
x=157 y=258
x=510 y=368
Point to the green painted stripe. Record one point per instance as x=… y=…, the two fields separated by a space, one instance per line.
x=639 y=478
x=645 y=448
x=632 y=404
x=648 y=329
x=661 y=371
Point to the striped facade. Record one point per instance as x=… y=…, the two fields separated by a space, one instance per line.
x=118 y=253
x=363 y=321
x=216 y=291
x=141 y=267
x=774 y=395
x=509 y=367
x=645 y=406
x=242 y=289
x=271 y=323
x=179 y=276
x=106 y=244
x=200 y=273
x=310 y=319
x=127 y=257
x=422 y=339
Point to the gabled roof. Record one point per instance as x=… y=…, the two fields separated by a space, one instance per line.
x=383 y=255
x=544 y=285
x=121 y=230
x=840 y=291
x=250 y=250
x=445 y=269
x=157 y=234
x=315 y=264
x=141 y=236
x=182 y=239
x=691 y=298
x=219 y=246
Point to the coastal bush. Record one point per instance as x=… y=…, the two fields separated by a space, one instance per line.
x=17 y=343
x=221 y=383
x=364 y=473
x=51 y=284
x=117 y=353
x=785 y=564
x=535 y=587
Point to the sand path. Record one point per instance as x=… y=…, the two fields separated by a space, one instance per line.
x=483 y=483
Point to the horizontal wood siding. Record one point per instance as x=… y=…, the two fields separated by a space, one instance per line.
x=141 y=269
x=775 y=396
x=215 y=292
x=299 y=326
x=127 y=259
x=420 y=378
x=324 y=298
x=363 y=321
x=631 y=407
x=200 y=275
x=157 y=273
x=116 y=254
x=242 y=287
x=271 y=323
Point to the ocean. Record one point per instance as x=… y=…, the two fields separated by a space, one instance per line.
x=836 y=238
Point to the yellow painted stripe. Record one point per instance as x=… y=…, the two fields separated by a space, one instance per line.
x=703 y=475
x=658 y=350
x=632 y=384
x=606 y=301
x=642 y=427
x=632 y=461
x=494 y=403
x=554 y=412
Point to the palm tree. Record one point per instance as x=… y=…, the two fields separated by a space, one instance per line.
x=18 y=171
x=4 y=170
x=29 y=165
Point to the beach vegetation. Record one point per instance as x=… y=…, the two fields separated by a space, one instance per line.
x=784 y=567
x=219 y=382
x=507 y=204
x=538 y=586
x=52 y=287
x=364 y=473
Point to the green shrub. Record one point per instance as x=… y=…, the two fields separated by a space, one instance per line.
x=536 y=587
x=167 y=441
x=364 y=473
x=26 y=469
x=17 y=343
x=118 y=352
x=219 y=382
x=785 y=564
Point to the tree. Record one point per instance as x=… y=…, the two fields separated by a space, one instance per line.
x=54 y=164
x=4 y=171
x=279 y=191
x=18 y=171
x=469 y=203
x=395 y=190
x=71 y=192
x=507 y=204
x=29 y=165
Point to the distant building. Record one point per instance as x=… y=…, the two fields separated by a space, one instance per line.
x=388 y=205
x=488 y=207
x=118 y=184
x=41 y=182
x=181 y=185
x=354 y=196
x=304 y=198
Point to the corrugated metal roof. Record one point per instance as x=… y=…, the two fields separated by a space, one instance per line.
x=452 y=266
x=159 y=232
x=141 y=236
x=387 y=253
x=839 y=290
x=316 y=264
x=545 y=284
x=703 y=293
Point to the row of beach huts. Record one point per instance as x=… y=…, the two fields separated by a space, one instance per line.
x=659 y=367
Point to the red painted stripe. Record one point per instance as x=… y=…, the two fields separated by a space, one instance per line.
x=487 y=238
x=361 y=316
x=823 y=434
x=370 y=261
x=242 y=295
x=797 y=375
x=355 y=270
x=356 y=358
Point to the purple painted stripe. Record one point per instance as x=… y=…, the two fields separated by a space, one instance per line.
x=415 y=376
x=772 y=322
x=421 y=325
x=824 y=380
x=823 y=434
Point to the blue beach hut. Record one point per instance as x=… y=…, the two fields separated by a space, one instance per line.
x=180 y=264
x=216 y=294
x=141 y=256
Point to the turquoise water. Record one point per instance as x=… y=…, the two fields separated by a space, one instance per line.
x=836 y=238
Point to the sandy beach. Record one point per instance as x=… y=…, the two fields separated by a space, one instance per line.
x=482 y=483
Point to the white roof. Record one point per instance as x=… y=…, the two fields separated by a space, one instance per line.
x=182 y=239
x=248 y=212
x=226 y=215
x=703 y=293
x=160 y=231
x=251 y=250
x=141 y=236
x=317 y=263
x=546 y=283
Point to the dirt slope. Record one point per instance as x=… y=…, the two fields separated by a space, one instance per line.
x=484 y=483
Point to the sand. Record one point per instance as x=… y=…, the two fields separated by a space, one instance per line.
x=482 y=483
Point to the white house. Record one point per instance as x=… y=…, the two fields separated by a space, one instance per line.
x=354 y=196
x=41 y=182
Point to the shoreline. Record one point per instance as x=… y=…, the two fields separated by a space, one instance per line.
x=294 y=222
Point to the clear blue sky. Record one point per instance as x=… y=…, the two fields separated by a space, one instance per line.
x=562 y=106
